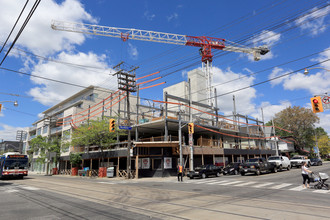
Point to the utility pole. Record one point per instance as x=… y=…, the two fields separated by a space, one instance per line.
x=180 y=136
x=276 y=143
x=127 y=83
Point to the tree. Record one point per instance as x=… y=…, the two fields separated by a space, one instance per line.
x=75 y=159
x=95 y=133
x=300 y=121
x=39 y=145
x=324 y=145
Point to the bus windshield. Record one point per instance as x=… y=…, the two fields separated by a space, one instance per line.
x=12 y=163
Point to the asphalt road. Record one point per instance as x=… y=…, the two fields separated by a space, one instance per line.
x=268 y=196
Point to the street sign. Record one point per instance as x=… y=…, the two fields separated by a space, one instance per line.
x=325 y=102
x=125 y=127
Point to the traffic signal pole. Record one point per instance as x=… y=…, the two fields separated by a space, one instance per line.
x=127 y=82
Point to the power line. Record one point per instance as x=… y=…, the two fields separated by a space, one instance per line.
x=34 y=7
x=14 y=25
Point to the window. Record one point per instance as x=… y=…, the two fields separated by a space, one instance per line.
x=38 y=131
x=92 y=97
x=45 y=130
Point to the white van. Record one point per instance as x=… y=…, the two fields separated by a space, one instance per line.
x=281 y=162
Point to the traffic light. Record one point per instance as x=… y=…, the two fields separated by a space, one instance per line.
x=317 y=104
x=190 y=128
x=112 y=125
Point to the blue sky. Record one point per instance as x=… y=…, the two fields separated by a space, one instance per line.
x=297 y=32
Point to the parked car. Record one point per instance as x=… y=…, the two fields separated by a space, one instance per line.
x=204 y=171
x=316 y=162
x=281 y=162
x=232 y=168
x=298 y=160
x=257 y=166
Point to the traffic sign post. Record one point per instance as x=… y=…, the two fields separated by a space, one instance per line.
x=325 y=102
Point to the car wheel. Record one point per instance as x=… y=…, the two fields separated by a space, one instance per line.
x=275 y=170
x=242 y=173
x=235 y=172
x=203 y=176
x=280 y=168
x=258 y=172
x=288 y=168
x=218 y=174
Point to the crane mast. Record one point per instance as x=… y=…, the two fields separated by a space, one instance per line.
x=206 y=44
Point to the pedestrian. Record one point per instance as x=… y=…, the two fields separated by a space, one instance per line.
x=180 y=172
x=304 y=172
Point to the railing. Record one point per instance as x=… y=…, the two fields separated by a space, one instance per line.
x=65 y=172
x=209 y=142
x=123 y=173
x=159 y=138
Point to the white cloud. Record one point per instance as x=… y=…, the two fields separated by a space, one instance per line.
x=49 y=93
x=276 y=73
x=265 y=38
x=173 y=16
x=149 y=16
x=8 y=133
x=314 y=23
x=132 y=51
x=316 y=82
x=38 y=36
x=269 y=110
x=244 y=98
x=324 y=121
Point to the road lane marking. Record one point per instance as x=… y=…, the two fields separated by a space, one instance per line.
x=245 y=184
x=231 y=182
x=219 y=182
x=262 y=185
x=321 y=191
x=281 y=186
x=206 y=181
x=107 y=182
x=298 y=188
x=29 y=188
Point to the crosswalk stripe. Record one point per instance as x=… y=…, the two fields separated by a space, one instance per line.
x=219 y=182
x=298 y=188
x=206 y=181
x=321 y=191
x=245 y=184
x=231 y=182
x=281 y=186
x=262 y=185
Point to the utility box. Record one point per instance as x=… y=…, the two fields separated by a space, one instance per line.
x=110 y=172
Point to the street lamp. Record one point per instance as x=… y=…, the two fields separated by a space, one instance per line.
x=15 y=104
x=307 y=70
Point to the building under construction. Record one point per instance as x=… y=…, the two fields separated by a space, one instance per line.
x=217 y=139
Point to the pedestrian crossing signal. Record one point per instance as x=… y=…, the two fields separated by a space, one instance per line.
x=190 y=128
x=112 y=125
x=317 y=104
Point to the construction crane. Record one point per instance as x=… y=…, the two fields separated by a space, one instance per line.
x=206 y=44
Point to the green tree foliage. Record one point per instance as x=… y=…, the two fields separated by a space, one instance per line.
x=75 y=159
x=42 y=145
x=324 y=145
x=96 y=133
x=300 y=121
x=39 y=146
